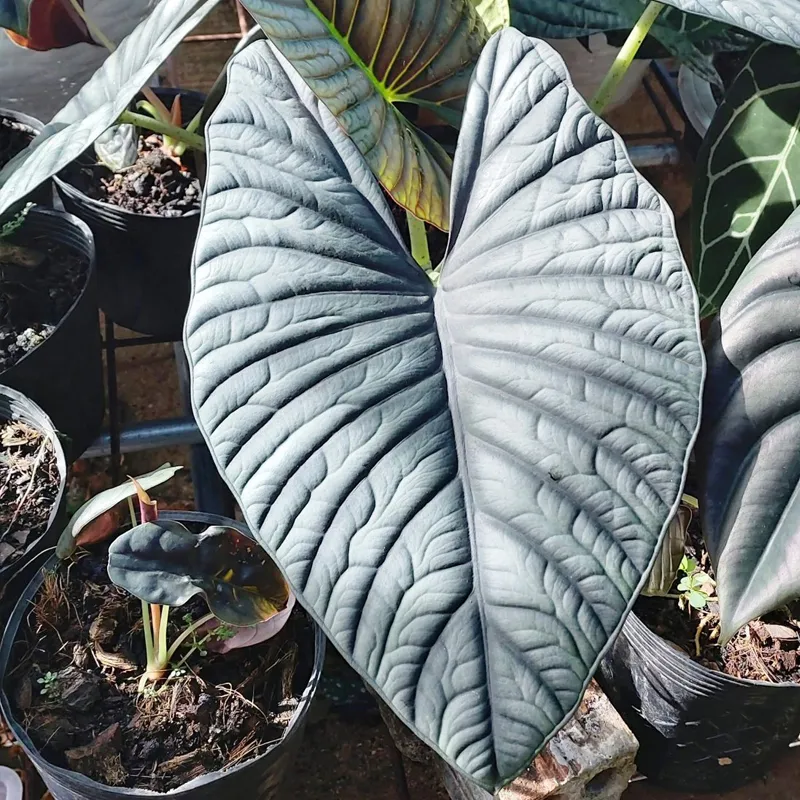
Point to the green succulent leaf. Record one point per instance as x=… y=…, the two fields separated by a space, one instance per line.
x=749 y=444
x=105 y=501
x=748 y=171
x=102 y=99
x=162 y=562
x=466 y=486
x=362 y=59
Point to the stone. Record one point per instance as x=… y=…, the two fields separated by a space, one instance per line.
x=78 y=690
x=591 y=758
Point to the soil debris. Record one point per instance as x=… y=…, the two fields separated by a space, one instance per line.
x=216 y=711
x=29 y=481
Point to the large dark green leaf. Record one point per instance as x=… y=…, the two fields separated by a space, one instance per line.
x=162 y=562
x=466 y=488
x=774 y=20
x=749 y=445
x=685 y=36
x=364 y=58
x=104 y=97
x=748 y=171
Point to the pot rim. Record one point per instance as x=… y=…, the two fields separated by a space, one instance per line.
x=9 y=636
x=686 y=668
x=76 y=194
x=87 y=234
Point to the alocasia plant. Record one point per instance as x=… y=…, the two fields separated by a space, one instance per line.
x=465 y=487
x=747 y=450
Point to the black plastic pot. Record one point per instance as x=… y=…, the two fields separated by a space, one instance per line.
x=143 y=260
x=64 y=374
x=15 y=406
x=42 y=194
x=259 y=778
x=698 y=730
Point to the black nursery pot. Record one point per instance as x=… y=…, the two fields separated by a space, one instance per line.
x=259 y=778
x=143 y=260
x=64 y=374
x=698 y=730
x=42 y=194
x=15 y=406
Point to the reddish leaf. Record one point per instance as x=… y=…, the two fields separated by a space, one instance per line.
x=105 y=526
x=50 y=24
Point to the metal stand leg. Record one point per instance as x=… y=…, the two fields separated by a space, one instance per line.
x=211 y=494
x=113 y=404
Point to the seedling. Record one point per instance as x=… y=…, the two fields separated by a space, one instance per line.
x=163 y=564
x=696 y=586
x=50 y=685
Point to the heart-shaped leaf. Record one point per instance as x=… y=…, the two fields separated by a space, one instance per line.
x=750 y=440
x=252 y=634
x=103 y=98
x=748 y=171
x=466 y=489
x=363 y=59
x=105 y=501
x=43 y=24
x=162 y=562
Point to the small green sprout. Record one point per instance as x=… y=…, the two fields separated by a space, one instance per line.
x=49 y=683
x=696 y=586
x=15 y=223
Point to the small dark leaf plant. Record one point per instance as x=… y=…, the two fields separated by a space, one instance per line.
x=165 y=565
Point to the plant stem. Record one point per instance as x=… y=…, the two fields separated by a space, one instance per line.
x=102 y=39
x=148 y=633
x=187 y=633
x=193 y=140
x=419 y=241
x=612 y=80
x=162 y=653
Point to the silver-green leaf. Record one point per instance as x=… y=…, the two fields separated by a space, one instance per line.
x=465 y=487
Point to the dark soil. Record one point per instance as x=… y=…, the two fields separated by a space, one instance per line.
x=39 y=282
x=224 y=709
x=14 y=137
x=157 y=184
x=764 y=650
x=29 y=482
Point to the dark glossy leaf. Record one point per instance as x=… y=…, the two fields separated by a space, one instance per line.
x=685 y=36
x=362 y=59
x=748 y=171
x=102 y=99
x=748 y=447
x=42 y=24
x=465 y=488
x=162 y=562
